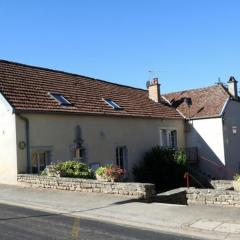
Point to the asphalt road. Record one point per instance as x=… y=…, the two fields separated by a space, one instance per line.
x=21 y=223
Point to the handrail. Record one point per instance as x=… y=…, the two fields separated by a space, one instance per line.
x=187 y=175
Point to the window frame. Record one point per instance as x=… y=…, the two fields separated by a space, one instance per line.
x=124 y=160
x=60 y=98
x=112 y=103
x=169 y=143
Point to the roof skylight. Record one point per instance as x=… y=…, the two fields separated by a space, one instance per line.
x=60 y=99
x=112 y=104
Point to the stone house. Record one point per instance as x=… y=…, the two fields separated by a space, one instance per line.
x=48 y=115
x=212 y=126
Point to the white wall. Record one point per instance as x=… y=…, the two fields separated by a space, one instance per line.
x=8 y=152
x=207 y=136
x=101 y=135
x=232 y=141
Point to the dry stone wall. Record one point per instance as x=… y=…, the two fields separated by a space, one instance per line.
x=136 y=190
x=222 y=184
x=213 y=197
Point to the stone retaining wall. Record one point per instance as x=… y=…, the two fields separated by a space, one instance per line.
x=213 y=197
x=222 y=184
x=135 y=190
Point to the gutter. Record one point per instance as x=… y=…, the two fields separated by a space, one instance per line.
x=105 y=114
x=27 y=131
x=205 y=117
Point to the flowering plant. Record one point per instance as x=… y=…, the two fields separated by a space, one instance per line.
x=110 y=173
x=114 y=172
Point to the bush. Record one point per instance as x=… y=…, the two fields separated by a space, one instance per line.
x=237 y=177
x=72 y=169
x=163 y=167
x=101 y=171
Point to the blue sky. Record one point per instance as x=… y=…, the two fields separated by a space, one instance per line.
x=188 y=43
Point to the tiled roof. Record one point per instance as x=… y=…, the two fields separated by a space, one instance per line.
x=206 y=102
x=27 y=87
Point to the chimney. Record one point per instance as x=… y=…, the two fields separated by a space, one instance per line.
x=232 y=87
x=154 y=90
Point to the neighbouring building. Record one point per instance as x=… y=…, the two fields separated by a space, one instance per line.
x=212 y=126
x=48 y=115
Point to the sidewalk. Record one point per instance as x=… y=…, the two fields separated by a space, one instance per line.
x=201 y=222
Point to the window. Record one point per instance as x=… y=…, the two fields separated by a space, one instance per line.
x=79 y=154
x=168 y=138
x=39 y=161
x=112 y=104
x=60 y=99
x=121 y=157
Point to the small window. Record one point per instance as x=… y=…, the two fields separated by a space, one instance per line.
x=112 y=104
x=79 y=154
x=60 y=99
x=121 y=157
x=168 y=138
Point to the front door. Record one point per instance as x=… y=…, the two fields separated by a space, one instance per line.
x=39 y=161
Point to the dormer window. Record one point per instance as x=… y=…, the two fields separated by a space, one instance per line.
x=112 y=104
x=60 y=99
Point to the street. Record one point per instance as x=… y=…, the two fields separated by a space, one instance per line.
x=22 y=223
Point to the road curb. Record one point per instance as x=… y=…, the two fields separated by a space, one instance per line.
x=185 y=230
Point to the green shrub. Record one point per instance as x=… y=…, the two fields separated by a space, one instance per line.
x=101 y=171
x=44 y=172
x=163 y=167
x=73 y=169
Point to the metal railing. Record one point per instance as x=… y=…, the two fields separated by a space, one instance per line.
x=188 y=176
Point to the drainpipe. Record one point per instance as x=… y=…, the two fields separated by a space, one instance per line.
x=26 y=120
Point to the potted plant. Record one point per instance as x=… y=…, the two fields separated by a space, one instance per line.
x=236 y=183
x=109 y=173
x=114 y=173
x=101 y=174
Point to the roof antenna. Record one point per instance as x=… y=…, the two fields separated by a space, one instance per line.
x=150 y=75
x=153 y=74
x=219 y=82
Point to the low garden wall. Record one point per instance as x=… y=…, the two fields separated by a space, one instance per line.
x=222 y=184
x=213 y=197
x=136 y=190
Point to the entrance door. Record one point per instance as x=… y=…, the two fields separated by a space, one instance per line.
x=39 y=161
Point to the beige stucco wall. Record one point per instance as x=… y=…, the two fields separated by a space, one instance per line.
x=8 y=152
x=101 y=135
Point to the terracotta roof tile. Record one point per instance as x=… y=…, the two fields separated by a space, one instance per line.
x=27 y=87
x=206 y=102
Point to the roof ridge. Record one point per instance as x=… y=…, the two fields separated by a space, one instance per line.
x=193 y=89
x=68 y=73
